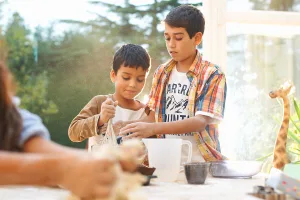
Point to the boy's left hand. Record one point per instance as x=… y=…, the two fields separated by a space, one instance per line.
x=137 y=130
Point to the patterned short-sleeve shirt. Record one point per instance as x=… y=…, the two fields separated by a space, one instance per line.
x=207 y=96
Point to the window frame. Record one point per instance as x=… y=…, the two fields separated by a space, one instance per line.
x=217 y=17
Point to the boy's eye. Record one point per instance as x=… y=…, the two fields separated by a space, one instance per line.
x=140 y=80
x=178 y=39
x=168 y=39
x=126 y=78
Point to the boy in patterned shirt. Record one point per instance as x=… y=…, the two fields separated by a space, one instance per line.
x=187 y=98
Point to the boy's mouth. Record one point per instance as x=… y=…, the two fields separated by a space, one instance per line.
x=173 y=52
x=131 y=91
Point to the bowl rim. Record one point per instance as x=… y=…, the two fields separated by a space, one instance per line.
x=197 y=164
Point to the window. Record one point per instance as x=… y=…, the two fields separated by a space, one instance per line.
x=258 y=50
x=247 y=5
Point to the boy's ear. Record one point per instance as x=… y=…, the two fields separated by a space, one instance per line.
x=198 y=38
x=112 y=76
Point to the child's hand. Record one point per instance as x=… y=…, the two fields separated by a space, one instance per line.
x=138 y=130
x=97 y=178
x=108 y=110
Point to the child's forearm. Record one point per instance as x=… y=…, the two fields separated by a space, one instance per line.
x=40 y=145
x=83 y=128
x=31 y=169
x=193 y=124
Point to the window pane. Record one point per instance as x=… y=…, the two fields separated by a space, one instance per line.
x=256 y=64
x=279 y=5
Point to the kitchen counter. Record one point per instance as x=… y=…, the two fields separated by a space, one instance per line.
x=214 y=188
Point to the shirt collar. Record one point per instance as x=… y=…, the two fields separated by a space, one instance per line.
x=195 y=67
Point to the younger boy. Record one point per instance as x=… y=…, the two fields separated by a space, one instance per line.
x=130 y=66
x=188 y=93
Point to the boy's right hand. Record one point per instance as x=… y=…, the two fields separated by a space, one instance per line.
x=108 y=110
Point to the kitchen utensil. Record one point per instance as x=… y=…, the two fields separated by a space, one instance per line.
x=165 y=156
x=149 y=180
x=235 y=169
x=196 y=172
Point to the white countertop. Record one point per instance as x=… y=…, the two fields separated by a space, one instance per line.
x=214 y=188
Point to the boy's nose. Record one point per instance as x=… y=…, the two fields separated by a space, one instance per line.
x=172 y=43
x=132 y=83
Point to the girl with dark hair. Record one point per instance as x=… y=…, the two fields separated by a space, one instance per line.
x=10 y=119
x=43 y=162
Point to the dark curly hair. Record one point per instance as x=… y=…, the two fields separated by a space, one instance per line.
x=131 y=55
x=188 y=17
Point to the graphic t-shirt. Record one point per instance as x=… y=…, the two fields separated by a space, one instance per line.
x=177 y=91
